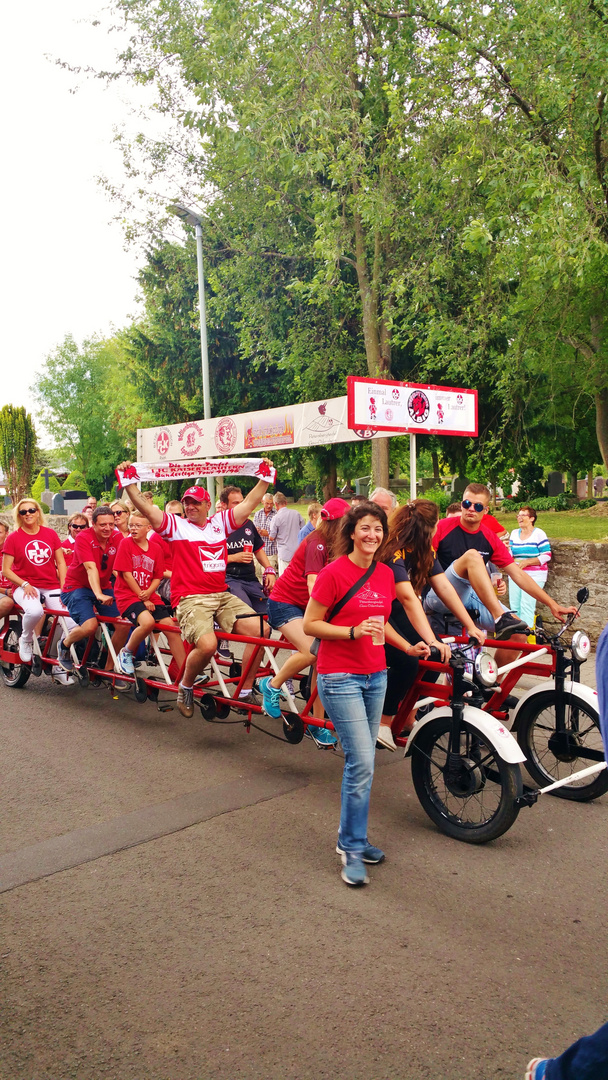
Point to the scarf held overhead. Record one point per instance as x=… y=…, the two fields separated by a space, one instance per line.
x=153 y=472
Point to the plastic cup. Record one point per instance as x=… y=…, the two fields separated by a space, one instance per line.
x=377 y=629
x=496 y=579
x=248 y=547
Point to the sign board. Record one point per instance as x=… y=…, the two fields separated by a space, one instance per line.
x=417 y=408
x=315 y=423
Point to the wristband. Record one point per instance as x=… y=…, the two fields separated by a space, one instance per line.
x=352 y=633
x=23 y=584
x=269 y=570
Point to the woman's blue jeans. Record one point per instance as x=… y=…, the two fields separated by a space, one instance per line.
x=586 y=1059
x=354 y=706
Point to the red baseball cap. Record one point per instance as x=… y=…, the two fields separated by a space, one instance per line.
x=199 y=494
x=334 y=509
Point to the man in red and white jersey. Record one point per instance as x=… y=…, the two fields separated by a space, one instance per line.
x=464 y=545
x=198 y=582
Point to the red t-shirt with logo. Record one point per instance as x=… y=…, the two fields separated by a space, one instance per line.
x=144 y=565
x=34 y=556
x=291 y=588
x=199 y=554
x=88 y=549
x=359 y=657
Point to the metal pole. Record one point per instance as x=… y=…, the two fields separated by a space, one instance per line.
x=412 y=466
x=204 y=353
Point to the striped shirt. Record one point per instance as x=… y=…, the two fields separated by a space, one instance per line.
x=536 y=546
x=262 y=520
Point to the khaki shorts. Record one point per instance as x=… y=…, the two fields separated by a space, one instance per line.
x=195 y=614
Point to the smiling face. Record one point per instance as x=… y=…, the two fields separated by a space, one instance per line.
x=524 y=519
x=104 y=527
x=367 y=536
x=196 y=512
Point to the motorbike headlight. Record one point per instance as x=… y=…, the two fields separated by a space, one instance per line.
x=580 y=645
x=486 y=669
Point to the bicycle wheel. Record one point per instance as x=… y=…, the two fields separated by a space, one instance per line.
x=14 y=675
x=553 y=755
x=472 y=798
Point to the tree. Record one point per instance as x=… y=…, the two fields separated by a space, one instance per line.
x=17 y=450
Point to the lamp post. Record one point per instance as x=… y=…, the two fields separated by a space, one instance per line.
x=191 y=218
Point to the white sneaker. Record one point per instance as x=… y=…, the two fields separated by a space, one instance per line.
x=25 y=650
x=63 y=678
x=385 y=737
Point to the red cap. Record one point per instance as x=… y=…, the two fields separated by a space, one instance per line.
x=199 y=494
x=334 y=509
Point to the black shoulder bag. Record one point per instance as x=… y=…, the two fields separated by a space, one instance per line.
x=359 y=583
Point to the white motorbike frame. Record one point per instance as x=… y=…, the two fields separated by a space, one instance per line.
x=496 y=733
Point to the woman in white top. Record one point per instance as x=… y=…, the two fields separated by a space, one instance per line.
x=531 y=550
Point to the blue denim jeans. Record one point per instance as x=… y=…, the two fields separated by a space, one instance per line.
x=434 y=606
x=586 y=1059
x=601 y=679
x=354 y=706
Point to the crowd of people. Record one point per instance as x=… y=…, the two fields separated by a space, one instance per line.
x=361 y=591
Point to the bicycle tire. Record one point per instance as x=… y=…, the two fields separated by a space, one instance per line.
x=550 y=757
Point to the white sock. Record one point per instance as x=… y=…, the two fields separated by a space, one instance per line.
x=184 y=687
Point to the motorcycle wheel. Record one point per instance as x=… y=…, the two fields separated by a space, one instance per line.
x=476 y=800
x=14 y=675
x=551 y=755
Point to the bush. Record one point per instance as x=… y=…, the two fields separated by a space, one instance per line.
x=75 y=482
x=436 y=495
x=547 y=502
x=38 y=486
x=585 y=504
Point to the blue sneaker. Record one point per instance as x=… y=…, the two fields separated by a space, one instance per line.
x=64 y=657
x=271 y=699
x=353 y=871
x=323 y=738
x=537 y=1068
x=125 y=662
x=370 y=855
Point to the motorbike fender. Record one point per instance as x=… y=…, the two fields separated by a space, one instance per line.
x=496 y=733
x=577 y=689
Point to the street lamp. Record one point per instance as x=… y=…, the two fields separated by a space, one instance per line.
x=191 y=218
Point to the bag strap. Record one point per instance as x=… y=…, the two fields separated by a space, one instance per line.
x=359 y=583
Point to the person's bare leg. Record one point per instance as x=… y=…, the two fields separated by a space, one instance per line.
x=317 y=708
x=507 y=656
x=176 y=645
x=77 y=633
x=294 y=633
x=472 y=567
x=199 y=657
x=250 y=627
x=6 y=606
x=119 y=638
x=145 y=622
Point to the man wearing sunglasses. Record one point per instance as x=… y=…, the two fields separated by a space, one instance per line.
x=464 y=546
x=87 y=586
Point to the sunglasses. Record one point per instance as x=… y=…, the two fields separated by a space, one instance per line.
x=117 y=513
x=27 y=511
x=467 y=504
x=79 y=526
x=104 y=561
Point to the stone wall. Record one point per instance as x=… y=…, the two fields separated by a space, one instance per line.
x=52 y=521
x=576 y=563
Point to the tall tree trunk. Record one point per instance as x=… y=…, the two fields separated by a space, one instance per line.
x=601 y=422
x=590 y=484
x=330 y=487
x=436 y=473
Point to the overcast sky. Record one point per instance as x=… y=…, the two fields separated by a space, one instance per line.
x=64 y=267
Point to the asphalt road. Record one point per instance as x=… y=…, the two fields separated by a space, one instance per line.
x=173 y=910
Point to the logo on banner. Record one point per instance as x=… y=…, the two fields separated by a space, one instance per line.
x=188 y=437
x=418 y=406
x=396 y=394
x=323 y=427
x=163 y=442
x=440 y=416
x=225 y=435
x=364 y=432
x=38 y=552
x=388 y=414
x=459 y=399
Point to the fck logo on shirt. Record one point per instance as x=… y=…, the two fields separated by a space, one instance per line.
x=38 y=552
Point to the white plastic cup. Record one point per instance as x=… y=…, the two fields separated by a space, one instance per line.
x=377 y=629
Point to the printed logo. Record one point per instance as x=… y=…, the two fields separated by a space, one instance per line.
x=440 y=416
x=459 y=399
x=211 y=561
x=372 y=408
x=364 y=432
x=188 y=436
x=225 y=435
x=418 y=406
x=38 y=552
x=163 y=442
x=396 y=394
x=388 y=414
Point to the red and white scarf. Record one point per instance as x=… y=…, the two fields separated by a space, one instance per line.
x=153 y=472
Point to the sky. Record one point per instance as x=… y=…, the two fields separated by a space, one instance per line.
x=64 y=267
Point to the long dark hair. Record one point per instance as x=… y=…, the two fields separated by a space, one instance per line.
x=326 y=532
x=345 y=543
x=411 y=530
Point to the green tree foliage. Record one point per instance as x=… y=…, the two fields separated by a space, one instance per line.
x=17 y=450
x=75 y=481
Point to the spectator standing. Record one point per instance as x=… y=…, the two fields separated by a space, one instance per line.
x=284 y=530
x=88 y=508
x=531 y=550
x=314 y=510
x=262 y=520
x=384 y=498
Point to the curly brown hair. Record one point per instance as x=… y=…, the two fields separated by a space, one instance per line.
x=344 y=542
x=411 y=531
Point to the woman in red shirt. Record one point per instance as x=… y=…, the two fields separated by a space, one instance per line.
x=351 y=668
x=33 y=561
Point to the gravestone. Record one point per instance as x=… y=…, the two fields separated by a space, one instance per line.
x=555 y=484
x=426 y=483
x=57 y=504
x=47 y=498
x=459 y=485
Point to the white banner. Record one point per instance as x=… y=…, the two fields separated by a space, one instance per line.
x=315 y=423
x=152 y=472
x=390 y=406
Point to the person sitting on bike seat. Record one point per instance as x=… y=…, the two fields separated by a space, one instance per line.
x=87 y=587
x=6 y=586
x=464 y=546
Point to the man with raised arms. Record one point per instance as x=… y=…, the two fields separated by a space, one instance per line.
x=198 y=583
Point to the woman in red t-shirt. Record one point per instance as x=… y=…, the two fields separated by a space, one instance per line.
x=351 y=668
x=287 y=603
x=33 y=560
